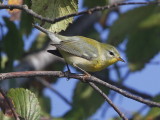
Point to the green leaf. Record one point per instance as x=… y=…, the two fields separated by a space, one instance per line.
x=26 y=23
x=25 y=103
x=26 y=19
x=13 y=43
x=86 y=101
x=129 y=22
x=45 y=103
x=3 y=61
x=94 y=3
x=53 y=9
x=151 y=21
x=142 y=48
x=27 y=2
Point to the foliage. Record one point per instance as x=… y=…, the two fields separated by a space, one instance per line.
x=82 y=107
x=13 y=52
x=138 y=28
x=141 y=32
x=26 y=103
x=53 y=9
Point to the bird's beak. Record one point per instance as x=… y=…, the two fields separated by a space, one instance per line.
x=120 y=59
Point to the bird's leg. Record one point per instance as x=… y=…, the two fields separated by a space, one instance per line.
x=68 y=71
x=68 y=68
x=86 y=73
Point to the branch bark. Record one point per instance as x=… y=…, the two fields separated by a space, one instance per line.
x=28 y=74
x=108 y=100
x=89 y=11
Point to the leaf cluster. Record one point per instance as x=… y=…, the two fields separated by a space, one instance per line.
x=139 y=28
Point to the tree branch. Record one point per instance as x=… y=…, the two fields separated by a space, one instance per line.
x=131 y=90
x=89 y=11
x=108 y=100
x=81 y=77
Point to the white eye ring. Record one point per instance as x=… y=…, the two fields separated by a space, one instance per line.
x=111 y=53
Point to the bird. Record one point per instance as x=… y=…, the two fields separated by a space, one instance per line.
x=86 y=54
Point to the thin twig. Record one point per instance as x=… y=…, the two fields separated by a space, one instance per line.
x=126 y=94
x=46 y=84
x=28 y=74
x=112 y=97
x=108 y=100
x=10 y=105
x=131 y=90
x=89 y=11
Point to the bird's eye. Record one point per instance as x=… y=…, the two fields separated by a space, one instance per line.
x=111 y=53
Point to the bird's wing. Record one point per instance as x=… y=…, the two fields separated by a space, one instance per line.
x=78 y=48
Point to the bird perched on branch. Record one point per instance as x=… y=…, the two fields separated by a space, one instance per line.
x=84 y=53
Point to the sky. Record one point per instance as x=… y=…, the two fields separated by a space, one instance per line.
x=146 y=80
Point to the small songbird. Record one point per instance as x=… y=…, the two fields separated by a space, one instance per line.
x=84 y=53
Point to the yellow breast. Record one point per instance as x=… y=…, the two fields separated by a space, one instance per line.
x=101 y=64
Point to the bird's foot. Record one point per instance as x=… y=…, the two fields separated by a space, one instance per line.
x=67 y=74
x=87 y=75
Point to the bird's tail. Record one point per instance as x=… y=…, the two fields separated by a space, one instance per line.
x=41 y=29
x=53 y=36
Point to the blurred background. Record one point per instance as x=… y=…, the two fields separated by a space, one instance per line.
x=133 y=29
